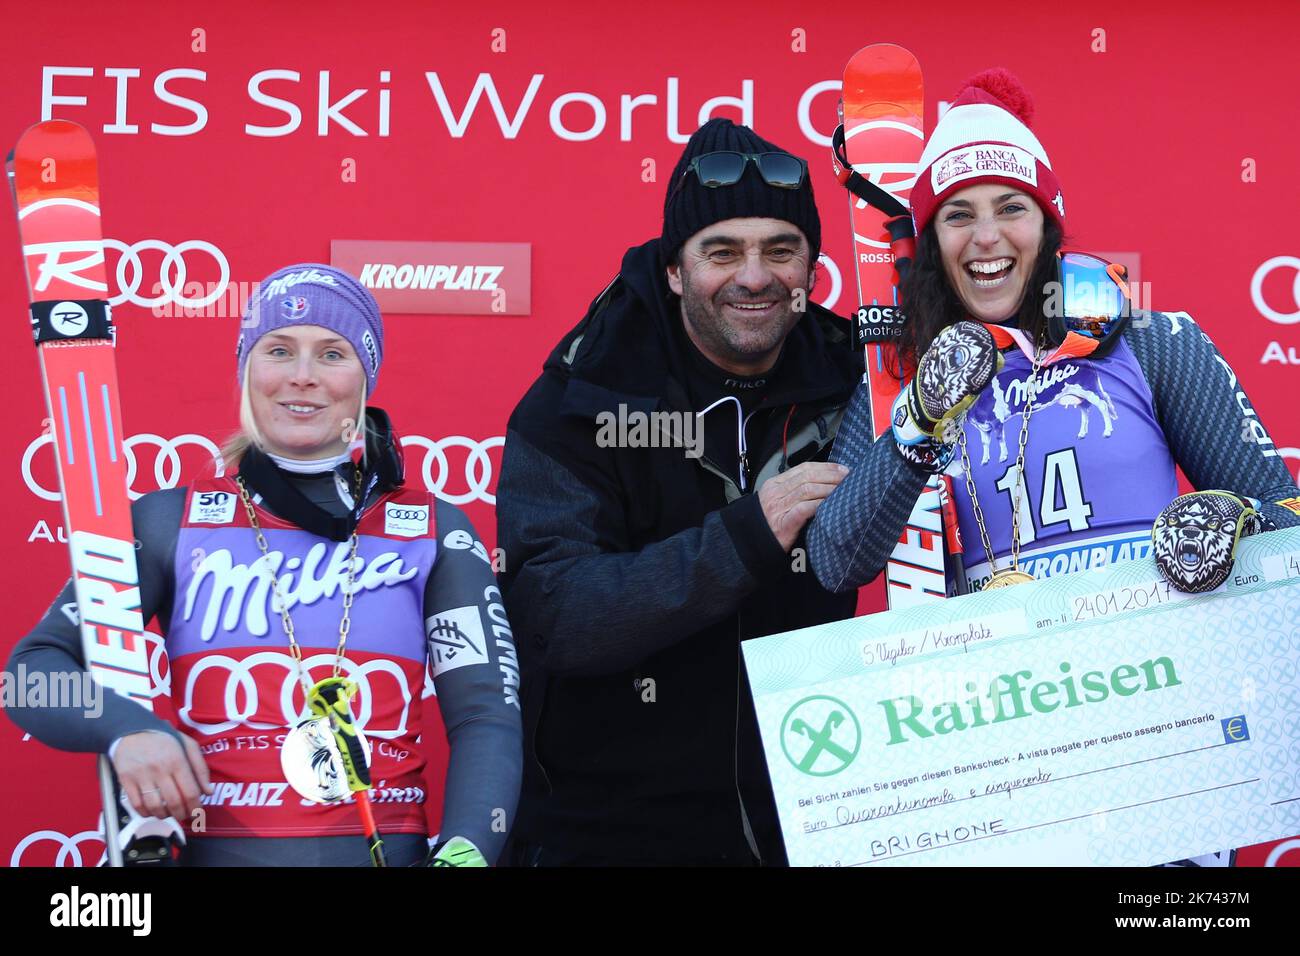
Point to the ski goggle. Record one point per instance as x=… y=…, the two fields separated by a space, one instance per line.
x=725 y=168
x=1094 y=295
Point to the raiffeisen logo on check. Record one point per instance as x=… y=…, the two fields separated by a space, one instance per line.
x=433 y=278
x=1012 y=696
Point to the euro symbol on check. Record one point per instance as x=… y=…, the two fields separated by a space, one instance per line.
x=1235 y=729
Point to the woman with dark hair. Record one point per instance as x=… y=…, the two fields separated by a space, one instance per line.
x=309 y=574
x=1060 y=415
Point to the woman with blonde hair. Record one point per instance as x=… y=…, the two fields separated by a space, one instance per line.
x=309 y=571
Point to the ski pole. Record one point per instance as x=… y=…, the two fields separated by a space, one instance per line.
x=331 y=698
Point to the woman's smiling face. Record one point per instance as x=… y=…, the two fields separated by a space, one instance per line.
x=989 y=236
x=305 y=389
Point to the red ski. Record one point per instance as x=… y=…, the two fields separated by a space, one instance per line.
x=876 y=152
x=55 y=182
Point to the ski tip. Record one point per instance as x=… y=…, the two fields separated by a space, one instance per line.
x=57 y=126
x=56 y=136
x=879 y=74
x=891 y=52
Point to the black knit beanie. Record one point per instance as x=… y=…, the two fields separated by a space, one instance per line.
x=690 y=207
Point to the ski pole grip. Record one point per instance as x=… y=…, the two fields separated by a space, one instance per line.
x=902 y=237
x=902 y=243
x=330 y=698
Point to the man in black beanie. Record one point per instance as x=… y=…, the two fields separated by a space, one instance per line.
x=656 y=483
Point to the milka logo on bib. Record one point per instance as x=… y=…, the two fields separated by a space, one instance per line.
x=1018 y=391
x=244 y=590
x=1080 y=393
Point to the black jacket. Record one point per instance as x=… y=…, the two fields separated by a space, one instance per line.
x=633 y=573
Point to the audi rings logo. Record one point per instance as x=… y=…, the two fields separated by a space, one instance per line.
x=407 y=514
x=478 y=471
x=166 y=461
x=440 y=468
x=69 y=848
x=241 y=692
x=173 y=273
x=1257 y=289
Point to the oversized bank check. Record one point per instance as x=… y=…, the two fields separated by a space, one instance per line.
x=1098 y=718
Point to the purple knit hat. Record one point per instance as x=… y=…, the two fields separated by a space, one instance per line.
x=311 y=293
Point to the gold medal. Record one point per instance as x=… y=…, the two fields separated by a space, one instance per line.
x=1006 y=578
x=1012 y=575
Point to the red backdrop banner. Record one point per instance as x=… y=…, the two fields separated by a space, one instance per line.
x=237 y=138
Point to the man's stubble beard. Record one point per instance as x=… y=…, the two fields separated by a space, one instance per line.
x=704 y=316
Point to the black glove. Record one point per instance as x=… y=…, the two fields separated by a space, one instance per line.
x=958 y=365
x=1195 y=538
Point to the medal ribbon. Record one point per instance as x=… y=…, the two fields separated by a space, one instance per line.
x=1074 y=346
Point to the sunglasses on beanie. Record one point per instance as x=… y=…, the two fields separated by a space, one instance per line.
x=726 y=168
